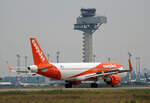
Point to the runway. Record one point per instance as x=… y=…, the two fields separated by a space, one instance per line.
x=71 y=89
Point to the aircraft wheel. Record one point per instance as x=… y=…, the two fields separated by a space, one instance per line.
x=68 y=85
x=112 y=86
x=94 y=85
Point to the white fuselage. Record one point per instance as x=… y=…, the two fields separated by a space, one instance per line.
x=71 y=69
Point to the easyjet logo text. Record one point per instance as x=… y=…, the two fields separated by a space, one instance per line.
x=38 y=50
x=109 y=66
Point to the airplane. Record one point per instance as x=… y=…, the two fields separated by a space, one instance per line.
x=74 y=73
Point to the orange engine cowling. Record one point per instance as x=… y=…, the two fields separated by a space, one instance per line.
x=76 y=82
x=112 y=80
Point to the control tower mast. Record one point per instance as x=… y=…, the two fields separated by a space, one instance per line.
x=88 y=22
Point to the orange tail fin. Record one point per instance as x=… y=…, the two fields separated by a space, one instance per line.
x=38 y=55
x=10 y=68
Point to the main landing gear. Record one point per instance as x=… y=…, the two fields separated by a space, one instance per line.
x=68 y=84
x=94 y=85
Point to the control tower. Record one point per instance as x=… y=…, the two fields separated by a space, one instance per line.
x=88 y=22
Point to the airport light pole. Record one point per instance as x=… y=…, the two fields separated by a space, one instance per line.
x=26 y=64
x=109 y=59
x=57 y=56
x=25 y=61
x=138 y=65
x=94 y=58
x=131 y=71
x=48 y=56
x=18 y=68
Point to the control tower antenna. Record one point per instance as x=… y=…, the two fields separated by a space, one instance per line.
x=88 y=22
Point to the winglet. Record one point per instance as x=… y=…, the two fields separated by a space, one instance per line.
x=10 y=68
x=129 y=61
x=130 y=65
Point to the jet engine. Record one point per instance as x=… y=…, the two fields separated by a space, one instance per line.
x=112 y=80
x=33 y=68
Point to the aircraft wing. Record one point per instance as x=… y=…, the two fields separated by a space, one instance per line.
x=106 y=73
x=12 y=70
x=101 y=74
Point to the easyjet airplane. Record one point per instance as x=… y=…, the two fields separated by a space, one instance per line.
x=74 y=73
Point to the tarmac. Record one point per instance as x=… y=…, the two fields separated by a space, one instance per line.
x=71 y=89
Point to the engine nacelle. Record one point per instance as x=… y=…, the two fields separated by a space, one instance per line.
x=112 y=80
x=33 y=68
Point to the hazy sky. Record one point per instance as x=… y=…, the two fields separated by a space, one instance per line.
x=52 y=21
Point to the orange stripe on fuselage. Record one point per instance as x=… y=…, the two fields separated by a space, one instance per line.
x=99 y=68
x=50 y=71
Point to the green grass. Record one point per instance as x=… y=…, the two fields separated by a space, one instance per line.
x=77 y=96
